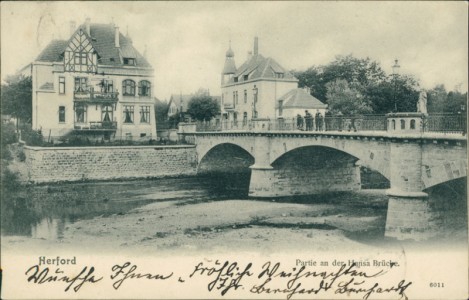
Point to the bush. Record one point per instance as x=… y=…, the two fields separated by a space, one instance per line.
x=32 y=137
x=8 y=134
x=10 y=181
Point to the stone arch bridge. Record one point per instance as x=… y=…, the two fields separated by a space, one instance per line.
x=328 y=161
x=304 y=163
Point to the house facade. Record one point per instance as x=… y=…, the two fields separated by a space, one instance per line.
x=259 y=89
x=95 y=83
x=249 y=92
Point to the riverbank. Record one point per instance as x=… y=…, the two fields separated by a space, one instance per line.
x=148 y=216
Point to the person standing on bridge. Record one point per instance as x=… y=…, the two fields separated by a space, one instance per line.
x=317 y=117
x=299 y=122
x=308 y=121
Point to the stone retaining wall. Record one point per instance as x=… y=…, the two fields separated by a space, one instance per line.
x=57 y=164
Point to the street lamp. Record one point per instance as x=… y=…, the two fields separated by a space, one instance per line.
x=395 y=72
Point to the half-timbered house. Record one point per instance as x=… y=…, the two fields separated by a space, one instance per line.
x=95 y=83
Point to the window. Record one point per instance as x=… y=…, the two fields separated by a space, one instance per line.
x=129 y=61
x=145 y=114
x=245 y=96
x=128 y=114
x=412 y=124
x=280 y=108
x=235 y=118
x=106 y=113
x=235 y=79
x=279 y=75
x=393 y=124
x=236 y=94
x=255 y=92
x=80 y=113
x=128 y=87
x=245 y=118
x=107 y=86
x=81 y=84
x=80 y=58
x=245 y=77
x=61 y=114
x=61 y=85
x=402 y=124
x=144 y=88
x=234 y=98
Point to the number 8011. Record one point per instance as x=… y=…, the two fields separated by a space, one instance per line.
x=437 y=285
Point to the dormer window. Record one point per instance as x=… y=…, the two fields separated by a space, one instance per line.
x=235 y=79
x=280 y=75
x=245 y=77
x=129 y=61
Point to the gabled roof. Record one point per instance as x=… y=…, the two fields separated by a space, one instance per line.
x=53 y=51
x=180 y=101
x=300 y=98
x=102 y=39
x=260 y=67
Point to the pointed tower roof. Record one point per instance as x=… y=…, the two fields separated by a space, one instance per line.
x=230 y=66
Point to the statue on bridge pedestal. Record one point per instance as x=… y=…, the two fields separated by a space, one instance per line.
x=422 y=103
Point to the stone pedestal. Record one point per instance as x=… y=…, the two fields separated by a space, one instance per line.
x=409 y=213
x=409 y=219
x=262 y=181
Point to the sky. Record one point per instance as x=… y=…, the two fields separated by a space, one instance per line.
x=186 y=41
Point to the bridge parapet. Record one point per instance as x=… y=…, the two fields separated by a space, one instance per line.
x=399 y=123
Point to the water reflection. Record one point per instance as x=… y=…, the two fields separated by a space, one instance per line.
x=45 y=211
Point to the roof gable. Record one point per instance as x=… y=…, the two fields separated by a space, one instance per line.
x=259 y=67
x=102 y=41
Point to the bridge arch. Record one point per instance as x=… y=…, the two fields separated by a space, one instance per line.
x=225 y=158
x=374 y=157
x=442 y=172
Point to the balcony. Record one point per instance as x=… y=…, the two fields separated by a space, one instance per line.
x=91 y=96
x=96 y=126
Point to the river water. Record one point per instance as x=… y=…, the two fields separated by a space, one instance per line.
x=44 y=211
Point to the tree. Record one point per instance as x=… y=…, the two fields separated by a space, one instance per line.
x=17 y=97
x=161 y=112
x=441 y=101
x=203 y=108
x=346 y=100
x=365 y=77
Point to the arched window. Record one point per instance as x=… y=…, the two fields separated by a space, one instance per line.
x=412 y=124
x=393 y=124
x=128 y=87
x=402 y=124
x=144 y=88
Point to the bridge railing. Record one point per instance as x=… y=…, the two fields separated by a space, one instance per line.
x=448 y=123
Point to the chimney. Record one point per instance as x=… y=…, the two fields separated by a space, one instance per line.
x=73 y=26
x=88 y=31
x=256 y=45
x=249 y=55
x=116 y=39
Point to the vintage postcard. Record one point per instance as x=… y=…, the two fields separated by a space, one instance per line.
x=234 y=150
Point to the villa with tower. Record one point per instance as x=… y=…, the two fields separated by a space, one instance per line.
x=262 y=89
x=95 y=83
